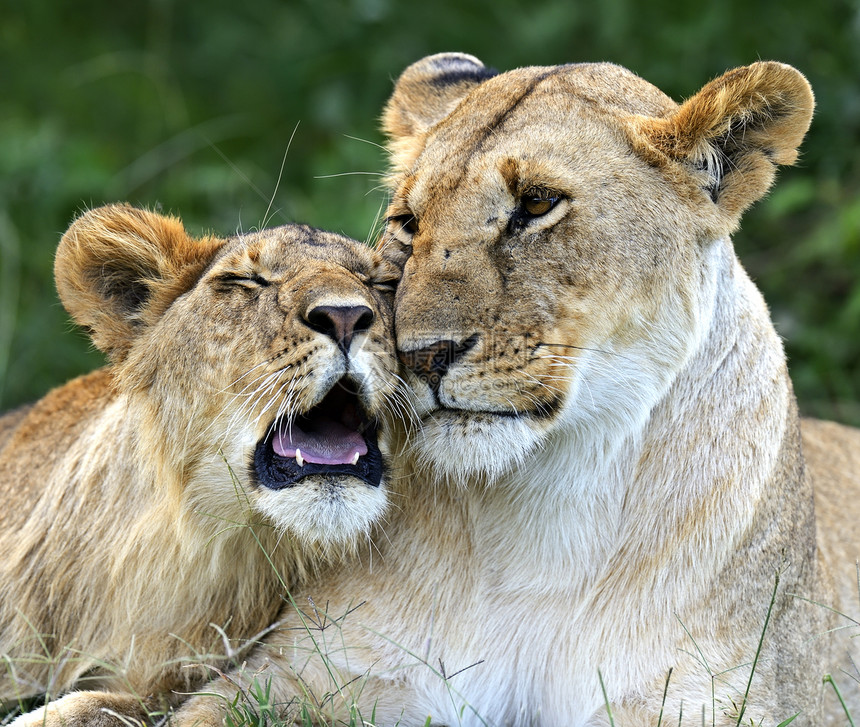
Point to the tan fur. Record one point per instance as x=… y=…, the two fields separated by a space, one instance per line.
x=609 y=481
x=135 y=543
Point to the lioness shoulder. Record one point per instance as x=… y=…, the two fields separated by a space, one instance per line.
x=230 y=445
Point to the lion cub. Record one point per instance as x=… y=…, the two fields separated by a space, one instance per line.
x=156 y=510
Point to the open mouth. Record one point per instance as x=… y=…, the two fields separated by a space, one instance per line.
x=336 y=437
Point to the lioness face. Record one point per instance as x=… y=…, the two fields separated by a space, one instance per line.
x=556 y=276
x=264 y=367
x=539 y=286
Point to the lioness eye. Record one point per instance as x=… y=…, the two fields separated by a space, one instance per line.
x=536 y=206
x=407 y=223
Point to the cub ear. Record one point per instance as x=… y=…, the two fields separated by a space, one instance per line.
x=427 y=91
x=736 y=130
x=118 y=268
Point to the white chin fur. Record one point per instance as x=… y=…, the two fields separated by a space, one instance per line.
x=457 y=446
x=318 y=513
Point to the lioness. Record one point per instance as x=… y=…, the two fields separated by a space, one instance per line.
x=230 y=444
x=608 y=510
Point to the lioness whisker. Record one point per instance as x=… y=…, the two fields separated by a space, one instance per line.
x=364 y=141
x=613 y=374
x=602 y=351
x=348 y=174
x=541 y=382
x=376 y=225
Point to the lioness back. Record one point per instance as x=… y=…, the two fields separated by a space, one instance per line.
x=231 y=444
x=832 y=454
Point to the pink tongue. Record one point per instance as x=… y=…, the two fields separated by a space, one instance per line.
x=330 y=442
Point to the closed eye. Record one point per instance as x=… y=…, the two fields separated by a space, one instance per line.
x=245 y=280
x=385 y=286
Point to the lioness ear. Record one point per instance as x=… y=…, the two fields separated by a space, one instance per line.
x=426 y=92
x=118 y=268
x=737 y=129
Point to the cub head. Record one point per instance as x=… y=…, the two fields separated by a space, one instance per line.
x=252 y=373
x=559 y=231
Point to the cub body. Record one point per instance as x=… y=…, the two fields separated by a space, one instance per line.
x=149 y=525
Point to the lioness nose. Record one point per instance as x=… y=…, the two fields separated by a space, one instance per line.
x=432 y=362
x=340 y=323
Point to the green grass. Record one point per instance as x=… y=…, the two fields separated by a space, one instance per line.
x=253 y=704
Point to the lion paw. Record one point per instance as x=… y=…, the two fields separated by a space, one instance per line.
x=87 y=709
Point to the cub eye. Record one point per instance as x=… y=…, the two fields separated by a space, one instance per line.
x=382 y=282
x=536 y=205
x=385 y=286
x=244 y=280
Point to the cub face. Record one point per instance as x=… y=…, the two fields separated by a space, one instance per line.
x=259 y=365
x=557 y=229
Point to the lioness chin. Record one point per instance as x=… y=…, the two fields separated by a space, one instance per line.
x=155 y=511
x=609 y=480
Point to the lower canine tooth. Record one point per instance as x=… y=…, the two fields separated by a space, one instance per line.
x=355 y=459
x=299 y=459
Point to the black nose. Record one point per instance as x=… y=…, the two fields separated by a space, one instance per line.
x=340 y=322
x=432 y=362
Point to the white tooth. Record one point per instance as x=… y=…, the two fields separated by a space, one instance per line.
x=299 y=458
x=355 y=459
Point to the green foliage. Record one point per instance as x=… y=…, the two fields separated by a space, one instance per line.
x=190 y=107
x=829 y=680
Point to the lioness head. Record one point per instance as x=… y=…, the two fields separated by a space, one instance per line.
x=559 y=230
x=256 y=369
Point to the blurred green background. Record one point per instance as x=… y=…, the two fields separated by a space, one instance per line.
x=189 y=107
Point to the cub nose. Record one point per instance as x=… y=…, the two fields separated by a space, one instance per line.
x=432 y=362
x=340 y=322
